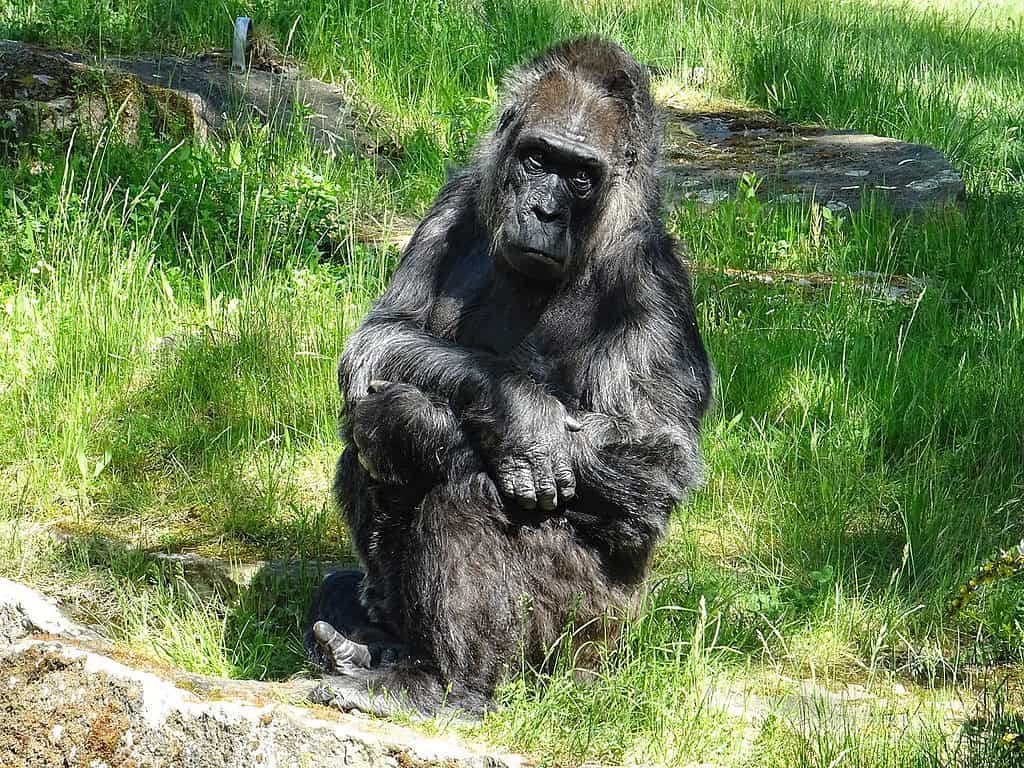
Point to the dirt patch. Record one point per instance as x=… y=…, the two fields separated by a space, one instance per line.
x=69 y=701
x=61 y=718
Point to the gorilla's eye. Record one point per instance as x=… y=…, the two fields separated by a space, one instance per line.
x=581 y=182
x=534 y=161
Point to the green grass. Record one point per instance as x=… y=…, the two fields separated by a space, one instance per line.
x=171 y=317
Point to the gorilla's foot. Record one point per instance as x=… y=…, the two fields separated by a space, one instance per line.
x=340 y=654
x=348 y=693
x=407 y=687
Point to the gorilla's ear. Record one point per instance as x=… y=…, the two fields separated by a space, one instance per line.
x=506 y=119
x=621 y=85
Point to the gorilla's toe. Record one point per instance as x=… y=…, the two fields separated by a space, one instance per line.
x=341 y=653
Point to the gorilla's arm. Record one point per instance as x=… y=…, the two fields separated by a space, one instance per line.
x=392 y=343
x=638 y=454
x=628 y=487
x=405 y=437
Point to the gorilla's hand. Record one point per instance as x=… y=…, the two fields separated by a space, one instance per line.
x=401 y=433
x=527 y=445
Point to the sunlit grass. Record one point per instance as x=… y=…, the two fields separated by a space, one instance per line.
x=171 y=317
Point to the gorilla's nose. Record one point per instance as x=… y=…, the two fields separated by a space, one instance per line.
x=547 y=211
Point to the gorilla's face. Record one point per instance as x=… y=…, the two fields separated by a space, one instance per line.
x=555 y=180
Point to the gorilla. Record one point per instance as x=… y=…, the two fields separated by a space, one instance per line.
x=522 y=406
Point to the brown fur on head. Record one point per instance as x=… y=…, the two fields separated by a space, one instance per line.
x=593 y=92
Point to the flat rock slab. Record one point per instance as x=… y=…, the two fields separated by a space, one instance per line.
x=67 y=701
x=710 y=152
x=206 y=93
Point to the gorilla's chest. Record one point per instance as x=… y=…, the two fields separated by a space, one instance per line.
x=510 y=319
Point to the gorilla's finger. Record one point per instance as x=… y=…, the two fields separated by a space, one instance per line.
x=377 y=385
x=525 y=492
x=572 y=424
x=339 y=650
x=544 y=483
x=504 y=475
x=565 y=478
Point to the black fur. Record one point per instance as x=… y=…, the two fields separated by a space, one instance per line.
x=517 y=438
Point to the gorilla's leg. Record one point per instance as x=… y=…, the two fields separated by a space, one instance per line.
x=462 y=583
x=378 y=517
x=403 y=443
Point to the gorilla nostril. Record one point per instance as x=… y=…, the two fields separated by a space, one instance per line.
x=546 y=213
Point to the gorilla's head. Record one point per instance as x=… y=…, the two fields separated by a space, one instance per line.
x=571 y=163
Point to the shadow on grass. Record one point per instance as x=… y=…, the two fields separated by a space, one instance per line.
x=228 y=443
x=860 y=447
x=208 y=616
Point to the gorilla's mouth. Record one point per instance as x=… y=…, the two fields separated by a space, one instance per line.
x=518 y=252
x=538 y=254
x=534 y=263
x=534 y=258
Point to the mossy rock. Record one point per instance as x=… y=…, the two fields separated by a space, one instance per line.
x=716 y=149
x=43 y=91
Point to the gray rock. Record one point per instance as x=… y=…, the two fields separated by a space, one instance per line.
x=202 y=93
x=710 y=153
x=68 y=703
x=270 y=97
x=24 y=612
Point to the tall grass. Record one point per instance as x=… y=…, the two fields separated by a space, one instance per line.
x=172 y=316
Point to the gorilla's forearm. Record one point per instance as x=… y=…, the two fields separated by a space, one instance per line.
x=396 y=350
x=627 y=488
x=404 y=436
x=487 y=393
x=656 y=472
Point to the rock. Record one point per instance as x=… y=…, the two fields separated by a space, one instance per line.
x=711 y=151
x=207 y=575
x=195 y=96
x=272 y=97
x=105 y=711
x=24 y=612
x=45 y=91
x=67 y=703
